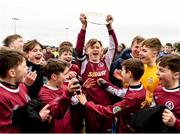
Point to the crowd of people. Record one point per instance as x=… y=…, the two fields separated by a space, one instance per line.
x=89 y=88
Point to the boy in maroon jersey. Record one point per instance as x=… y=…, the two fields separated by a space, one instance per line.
x=53 y=90
x=94 y=65
x=132 y=70
x=65 y=54
x=168 y=93
x=14 y=93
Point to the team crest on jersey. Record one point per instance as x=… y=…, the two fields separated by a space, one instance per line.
x=27 y=98
x=150 y=80
x=116 y=109
x=101 y=64
x=169 y=105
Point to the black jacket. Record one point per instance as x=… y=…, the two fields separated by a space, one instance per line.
x=28 y=119
x=150 y=121
x=40 y=79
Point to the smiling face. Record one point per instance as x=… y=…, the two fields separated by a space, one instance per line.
x=147 y=55
x=165 y=76
x=35 y=55
x=136 y=49
x=66 y=56
x=60 y=78
x=94 y=52
x=169 y=70
x=168 y=49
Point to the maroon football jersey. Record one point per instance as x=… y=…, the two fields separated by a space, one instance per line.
x=11 y=99
x=131 y=103
x=95 y=71
x=59 y=101
x=169 y=98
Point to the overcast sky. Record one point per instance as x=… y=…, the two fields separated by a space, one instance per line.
x=47 y=20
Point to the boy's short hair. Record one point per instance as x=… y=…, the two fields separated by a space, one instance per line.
x=11 y=38
x=66 y=44
x=9 y=59
x=135 y=66
x=65 y=49
x=169 y=44
x=28 y=46
x=92 y=42
x=137 y=39
x=153 y=43
x=54 y=66
x=172 y=61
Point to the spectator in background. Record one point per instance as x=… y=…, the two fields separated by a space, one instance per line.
x=14 y=41
x=55 y=52
x=168 y=48
x=48 y=54
x=132 y=52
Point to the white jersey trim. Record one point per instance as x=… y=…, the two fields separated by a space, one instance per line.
x=175 y=90
x=136 y=89
x=10 y=90
x=51 y=88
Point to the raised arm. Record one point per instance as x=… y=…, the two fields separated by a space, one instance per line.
x=81 y=37
x=113 y=43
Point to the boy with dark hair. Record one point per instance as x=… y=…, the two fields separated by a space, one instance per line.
x=93 y=66
x=148 y=55
x=53 y=91
x=132 y=70
x=168 y=93
x=14 y=94
x=168 y=48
